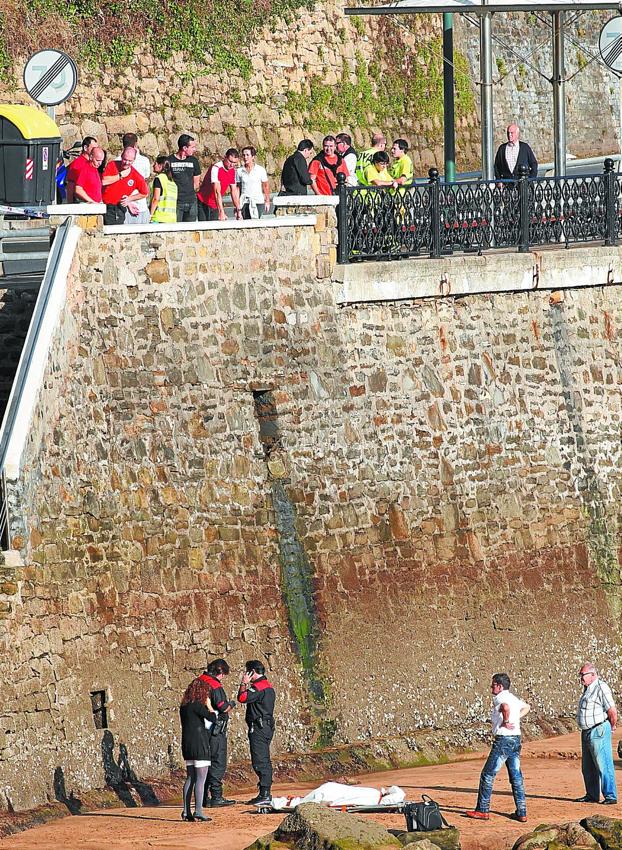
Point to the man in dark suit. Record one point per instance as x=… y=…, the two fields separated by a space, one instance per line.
x=512 y=154
x=295 y=177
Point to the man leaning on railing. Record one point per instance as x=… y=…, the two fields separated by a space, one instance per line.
x=512 y=154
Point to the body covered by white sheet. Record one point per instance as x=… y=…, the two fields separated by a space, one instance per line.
x=337 y=794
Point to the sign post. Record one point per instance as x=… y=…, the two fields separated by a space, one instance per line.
x=50 y=78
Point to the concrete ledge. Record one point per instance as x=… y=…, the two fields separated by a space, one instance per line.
x=414 y=278
x=76 y=209
x=230 y=224
x=306 y=201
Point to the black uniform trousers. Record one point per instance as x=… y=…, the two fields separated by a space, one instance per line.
x=216 y=772
x=259 y=741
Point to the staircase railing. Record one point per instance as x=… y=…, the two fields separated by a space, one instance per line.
x=19 y=382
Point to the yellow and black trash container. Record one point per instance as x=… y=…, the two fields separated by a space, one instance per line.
x=29 y=150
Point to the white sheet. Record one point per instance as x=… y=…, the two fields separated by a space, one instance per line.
x=338 y=794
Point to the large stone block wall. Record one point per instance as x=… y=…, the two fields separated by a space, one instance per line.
x=159 y=99
x=438 y=500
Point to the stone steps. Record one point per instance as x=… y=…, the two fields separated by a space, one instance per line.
x=10 y=561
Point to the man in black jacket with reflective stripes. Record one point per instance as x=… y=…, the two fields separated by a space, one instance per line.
x=216 y=670
x=257 y=694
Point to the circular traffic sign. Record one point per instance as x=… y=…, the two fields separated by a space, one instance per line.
x=50 y=77
x=610 y=44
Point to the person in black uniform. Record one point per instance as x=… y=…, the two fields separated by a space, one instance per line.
x=257 y=694
x=196 y=714
x=216 y=671
x=295 y=175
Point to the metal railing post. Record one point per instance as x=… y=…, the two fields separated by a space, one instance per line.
x=343 y=236
x=611 y=211
x=523 y=209
x=435 y=210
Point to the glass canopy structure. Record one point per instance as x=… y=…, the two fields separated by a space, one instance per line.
x=485 y=10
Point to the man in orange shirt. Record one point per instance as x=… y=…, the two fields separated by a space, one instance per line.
x=123 y=186
x=325 y=167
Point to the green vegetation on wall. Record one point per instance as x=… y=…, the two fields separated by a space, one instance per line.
x=405 y=84
x=214 y=34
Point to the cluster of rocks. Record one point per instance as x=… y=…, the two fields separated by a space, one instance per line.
x=312 y=826
x=593 y=832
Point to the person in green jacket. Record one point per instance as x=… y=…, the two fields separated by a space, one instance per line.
x=365 y=159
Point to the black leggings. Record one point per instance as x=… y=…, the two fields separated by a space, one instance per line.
x=195 y=781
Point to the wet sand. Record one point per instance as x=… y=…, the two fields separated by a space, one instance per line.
x=552 y=779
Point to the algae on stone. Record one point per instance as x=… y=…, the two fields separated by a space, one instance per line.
x=606 y=831
x=445 y=839
x=311 y=826
x=556 y=837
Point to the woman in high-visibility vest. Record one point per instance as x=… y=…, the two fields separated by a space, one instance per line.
x=164 y=199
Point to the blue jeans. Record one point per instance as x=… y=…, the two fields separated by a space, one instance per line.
x=506 y=748
x=597 y=762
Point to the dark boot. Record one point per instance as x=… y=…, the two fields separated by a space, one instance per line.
x=255 y=799
x=265 y=797
x=218 y=802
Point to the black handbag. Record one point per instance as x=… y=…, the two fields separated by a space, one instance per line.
x=425 y=816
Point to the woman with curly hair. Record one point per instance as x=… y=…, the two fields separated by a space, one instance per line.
x=197 y=717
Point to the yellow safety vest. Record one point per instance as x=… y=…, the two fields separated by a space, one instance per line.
x=166 y=211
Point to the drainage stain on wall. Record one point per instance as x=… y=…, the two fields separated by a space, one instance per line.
x=296 y=572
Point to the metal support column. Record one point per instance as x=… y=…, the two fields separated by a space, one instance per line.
x=485 y=64
x=559 y=94
x=449 y=119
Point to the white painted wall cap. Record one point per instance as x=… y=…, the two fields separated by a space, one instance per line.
x=76 y=209
x=230 y=224
x=306 y=201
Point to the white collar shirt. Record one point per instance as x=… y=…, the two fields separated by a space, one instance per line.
x=511 y=154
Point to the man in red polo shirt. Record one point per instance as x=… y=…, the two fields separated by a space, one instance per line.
x=123 y=186
x=74 y=168
x=216 y=183
x=88 y=186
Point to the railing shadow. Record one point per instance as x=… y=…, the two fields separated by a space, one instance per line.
x=120 y=776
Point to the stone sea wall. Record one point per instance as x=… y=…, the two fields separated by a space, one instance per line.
x=385 y=502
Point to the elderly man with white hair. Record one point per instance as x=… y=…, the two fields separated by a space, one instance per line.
x=596 y=718
x=512 y=154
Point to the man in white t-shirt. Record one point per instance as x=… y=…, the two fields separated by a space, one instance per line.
x=507 y=711
x=143 y=166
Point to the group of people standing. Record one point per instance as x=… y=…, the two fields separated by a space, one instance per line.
x=205 y=710
x=204 y=714
x=178 y=193
x=372 y=167
x=596 y=718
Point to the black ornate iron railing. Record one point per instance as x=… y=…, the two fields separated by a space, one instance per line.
x=437 y=218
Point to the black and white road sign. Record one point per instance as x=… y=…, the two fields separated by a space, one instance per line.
x=50 y=77
x=610 y=44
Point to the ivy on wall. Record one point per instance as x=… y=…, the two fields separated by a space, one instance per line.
x=108 y=32
x=402 y=86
